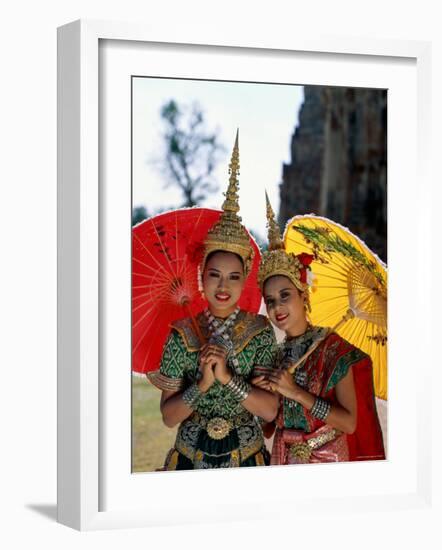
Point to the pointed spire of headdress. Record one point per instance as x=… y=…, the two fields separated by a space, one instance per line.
x=230 y=203
x=228 y=234
x=276 y=261
x=273 y=232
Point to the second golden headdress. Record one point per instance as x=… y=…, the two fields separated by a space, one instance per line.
x=276 y=261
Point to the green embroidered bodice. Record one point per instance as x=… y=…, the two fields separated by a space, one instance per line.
x=255 y=346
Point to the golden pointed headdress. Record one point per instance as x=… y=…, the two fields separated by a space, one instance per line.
x=228 y=234
x=276 y=261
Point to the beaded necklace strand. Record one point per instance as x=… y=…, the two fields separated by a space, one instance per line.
x=220 y=333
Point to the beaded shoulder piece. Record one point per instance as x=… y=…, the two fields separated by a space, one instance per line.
x=246 y=327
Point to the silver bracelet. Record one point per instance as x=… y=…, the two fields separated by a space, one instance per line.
x=320 y=409
x=239 y=387
x=192 y=395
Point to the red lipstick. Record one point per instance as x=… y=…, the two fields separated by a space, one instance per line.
x=222 y=296
x=281 y=317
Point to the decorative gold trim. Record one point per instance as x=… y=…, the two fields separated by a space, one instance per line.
x=247 y=326
x=172 y=460
x=163 y=382
x=260 y=459
x=250 y=442
x=234 y=459
x=320 y=440
x=199 y=455
x=184 y=449
x=253 y=447
x=303 y=451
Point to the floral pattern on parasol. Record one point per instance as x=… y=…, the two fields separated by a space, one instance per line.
x=349 y=287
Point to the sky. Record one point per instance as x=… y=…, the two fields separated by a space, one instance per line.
x=266 y=115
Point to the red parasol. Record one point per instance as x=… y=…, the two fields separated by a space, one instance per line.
x=166 y=252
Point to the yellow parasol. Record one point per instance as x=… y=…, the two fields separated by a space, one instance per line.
x=349 y=287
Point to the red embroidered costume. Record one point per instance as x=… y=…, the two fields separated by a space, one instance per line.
x=300 y=437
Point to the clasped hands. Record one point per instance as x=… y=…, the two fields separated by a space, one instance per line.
x=213 y=366
x=280 y=381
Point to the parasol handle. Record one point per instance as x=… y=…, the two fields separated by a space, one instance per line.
x=185 y=304
x=349 y=315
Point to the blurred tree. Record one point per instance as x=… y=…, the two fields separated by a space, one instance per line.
x=260 y=240
x=191 y=152
x=139 y=213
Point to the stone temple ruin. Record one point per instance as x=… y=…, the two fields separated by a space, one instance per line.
x=338 y=163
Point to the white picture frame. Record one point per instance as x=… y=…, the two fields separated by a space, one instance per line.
x=81 y=396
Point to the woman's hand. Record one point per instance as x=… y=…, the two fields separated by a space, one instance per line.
x=208 y=376
x=216 y=357
x=282 y=382
x=261 y=382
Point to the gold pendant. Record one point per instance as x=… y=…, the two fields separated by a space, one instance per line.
x=301 y=452
x=218 y=428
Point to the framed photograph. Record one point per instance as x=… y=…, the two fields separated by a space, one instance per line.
x=110 y=74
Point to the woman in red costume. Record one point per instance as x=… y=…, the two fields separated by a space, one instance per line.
x=327 y=408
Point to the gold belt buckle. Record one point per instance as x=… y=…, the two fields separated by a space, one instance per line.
x=301 y=452
x=218 y=428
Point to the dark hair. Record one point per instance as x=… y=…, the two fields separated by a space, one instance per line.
x=225 y=252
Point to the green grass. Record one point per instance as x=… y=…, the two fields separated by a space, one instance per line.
x=151 y=439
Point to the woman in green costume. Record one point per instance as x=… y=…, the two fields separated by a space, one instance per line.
x=206 y=389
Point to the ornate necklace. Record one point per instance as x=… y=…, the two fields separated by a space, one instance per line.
x=220 y=334
x=295 y=347
x=218 y=326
